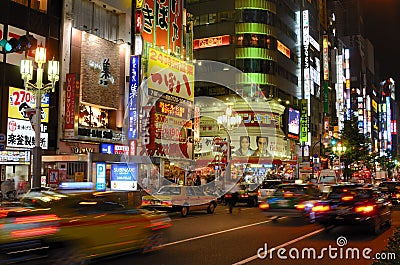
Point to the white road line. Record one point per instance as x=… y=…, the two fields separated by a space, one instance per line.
x=280 y=246
x=213 y=234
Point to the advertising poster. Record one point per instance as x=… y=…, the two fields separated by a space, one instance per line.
x=53 y=176
x=124 y=176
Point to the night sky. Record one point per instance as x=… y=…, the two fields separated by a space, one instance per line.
x=382 y=25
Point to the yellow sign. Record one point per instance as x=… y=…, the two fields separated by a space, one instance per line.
x=79 y=176
x=139 y=4
x=170 y=75
x=20 y=100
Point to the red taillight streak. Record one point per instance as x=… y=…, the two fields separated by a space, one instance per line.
x=300 y=206
x=364 y=209
x=320 y=208
x=397 y=196
x=263 y=206
x=347 y=198
x=34 y=232
x=37 y=218
x=127 y=227
x=168 y=203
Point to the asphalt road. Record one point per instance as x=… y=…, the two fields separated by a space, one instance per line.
x=223 y=238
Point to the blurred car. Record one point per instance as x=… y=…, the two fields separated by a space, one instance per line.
x=292 y=200
x=247 y=193
x=267 y=188
x=392 y=190
x=76 y=226
x=181 y=199
x=350 y=204
x=327 y=178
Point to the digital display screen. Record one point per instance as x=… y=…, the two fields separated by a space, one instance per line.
x=171 y=109
x=294 y=122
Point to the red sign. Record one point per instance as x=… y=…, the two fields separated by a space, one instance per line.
x=211 y=42
x=70 y=93
x=165 y=17
x=139 y=22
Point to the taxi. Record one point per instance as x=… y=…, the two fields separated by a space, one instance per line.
x=71 y=227
x=183 y=199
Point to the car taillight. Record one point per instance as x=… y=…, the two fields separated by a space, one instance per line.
x=263 y=206
x=320 y=208
x=347 y=198
x=397 y=196
x=288 y=194
x=166 y=203
x=228 y=195
x=244 y=195
x=259 y=193
x=146 y=202
x=161 y=223
x=300 y=206
x=364 y=209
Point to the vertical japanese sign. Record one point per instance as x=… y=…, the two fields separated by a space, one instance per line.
x=72 y=86
x=306 y=45
x=134 y=80
x=162 y=23
x=303 y=121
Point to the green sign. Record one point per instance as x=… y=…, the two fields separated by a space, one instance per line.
x=303 y=121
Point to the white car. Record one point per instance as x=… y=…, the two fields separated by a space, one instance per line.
x=267 y=188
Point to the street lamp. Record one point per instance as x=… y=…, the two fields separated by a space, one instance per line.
x=40 y=88
x=339 y=150
x=228 y=122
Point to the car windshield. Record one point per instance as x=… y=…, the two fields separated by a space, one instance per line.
x=327 y=179
x=169 y=191
x=356 y=192
x=270 y=184
x=289 y=189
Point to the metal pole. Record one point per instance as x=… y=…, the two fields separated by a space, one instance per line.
x=37 y=150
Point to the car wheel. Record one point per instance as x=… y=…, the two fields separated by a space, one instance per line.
x=376 y=226
x=69 y=255
x=211 y=208
x=184 y=211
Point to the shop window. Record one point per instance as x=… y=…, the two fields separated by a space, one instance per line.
x=39 y=5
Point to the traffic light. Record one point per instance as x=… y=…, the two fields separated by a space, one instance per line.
x=333 y=142
x=24 y=43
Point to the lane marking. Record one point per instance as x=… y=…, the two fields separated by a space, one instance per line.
x=280 y=246
x=216 y=233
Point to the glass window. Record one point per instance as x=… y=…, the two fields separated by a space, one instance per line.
x=203 y=19
x=189 y=191
x=212 y=18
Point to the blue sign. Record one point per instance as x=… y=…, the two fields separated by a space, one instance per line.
x=106 y=148
x=100 y=176
x=134 y=77
x=124 y=172
x=2 y=147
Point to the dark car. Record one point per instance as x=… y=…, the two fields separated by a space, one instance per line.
x=353 y=205
x=392 y=190
x=247 y=193
x=291 y=200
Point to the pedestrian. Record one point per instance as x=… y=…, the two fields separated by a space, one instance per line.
x=198 y=181
x=234 y=192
